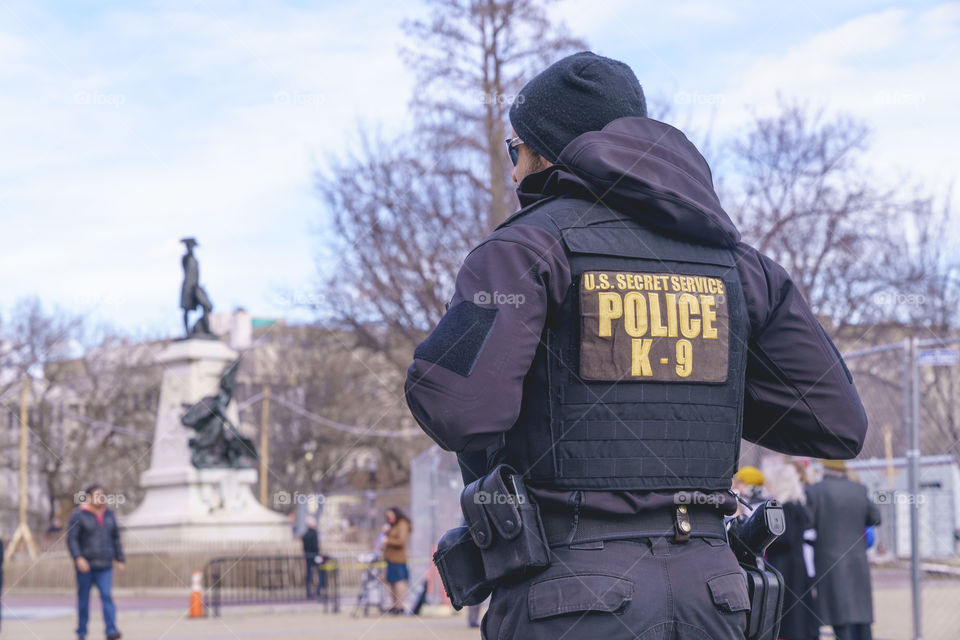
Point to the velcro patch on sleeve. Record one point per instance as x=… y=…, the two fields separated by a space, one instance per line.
x=456 y=342
x=663 y=327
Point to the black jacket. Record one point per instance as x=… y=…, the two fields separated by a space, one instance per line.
x=799 y=396
x=98 y=543
x=311 y=543
x=799 y=620
x=840 y=510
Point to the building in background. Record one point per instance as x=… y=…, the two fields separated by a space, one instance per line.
x=92 y=418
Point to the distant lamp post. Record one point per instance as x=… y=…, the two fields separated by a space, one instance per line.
x=22 y=534
x=264 y=445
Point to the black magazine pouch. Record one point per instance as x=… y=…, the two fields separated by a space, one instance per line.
x=461 y=568
x=505 y=524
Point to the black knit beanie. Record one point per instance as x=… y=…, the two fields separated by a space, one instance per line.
x=582 y=92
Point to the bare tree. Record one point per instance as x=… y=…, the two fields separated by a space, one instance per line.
x=31 y=336
x=471 y=60
x=401 y=230
x=804 y=195
x=97 y=417
x=873 y=260
x=335 y=411
x=92 y=409
x=406 y=210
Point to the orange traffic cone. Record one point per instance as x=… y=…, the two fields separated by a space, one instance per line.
x=196 y=596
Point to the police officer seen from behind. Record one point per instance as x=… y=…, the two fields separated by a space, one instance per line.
x=613 y=341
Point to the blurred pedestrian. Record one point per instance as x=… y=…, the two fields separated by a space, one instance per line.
x=311 y=554
x=748 y=484
x=800 y=620
x=810 y=535
x=51 y=537
x=473 y=616
x=397 y=530
x=1 y=581
x=841 y=510
x=93 y=539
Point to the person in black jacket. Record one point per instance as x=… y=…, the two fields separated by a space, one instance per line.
x=841 y=509
x=312 y=557
x=93 y=540
x=800 y=620
x=612 y=341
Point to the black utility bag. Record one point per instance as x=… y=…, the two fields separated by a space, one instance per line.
x=749 y=540
x=503 y=538
x=461 y=569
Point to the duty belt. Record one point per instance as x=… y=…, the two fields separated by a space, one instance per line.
x=679 y=523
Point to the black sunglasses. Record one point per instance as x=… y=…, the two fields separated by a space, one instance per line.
x=512 y=145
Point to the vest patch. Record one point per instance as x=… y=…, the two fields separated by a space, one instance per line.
x=456 y=342
x=663 y=327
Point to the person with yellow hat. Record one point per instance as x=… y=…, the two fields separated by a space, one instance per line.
x=748 y=484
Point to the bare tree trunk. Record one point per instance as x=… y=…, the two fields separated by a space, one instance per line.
x=402 y=224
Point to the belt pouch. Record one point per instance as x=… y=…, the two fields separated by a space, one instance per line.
x=505 y=524
x=461 y=569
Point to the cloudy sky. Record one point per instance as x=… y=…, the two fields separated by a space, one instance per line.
x=127 y=125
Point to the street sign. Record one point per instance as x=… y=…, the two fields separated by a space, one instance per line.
x=938 y=357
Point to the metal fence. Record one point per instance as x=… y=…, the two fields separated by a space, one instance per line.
x=435 y=485
x=244 y=580
x=911 y=392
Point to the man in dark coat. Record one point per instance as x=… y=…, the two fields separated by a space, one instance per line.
x=93 y=540
x=841 y=510
x=311 y=554
x=560 y=356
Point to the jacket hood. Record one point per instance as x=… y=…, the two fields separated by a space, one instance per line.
x=643 y=168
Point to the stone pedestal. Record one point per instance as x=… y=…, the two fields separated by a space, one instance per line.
x=183 y=504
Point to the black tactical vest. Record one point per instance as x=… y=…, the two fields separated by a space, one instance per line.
x=638 y=380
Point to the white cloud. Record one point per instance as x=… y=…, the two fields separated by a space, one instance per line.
x=124 y=130
x=122 y=137
x=893 y=69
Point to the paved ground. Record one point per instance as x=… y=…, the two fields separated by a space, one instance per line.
x=238 y=624
x=156 y=617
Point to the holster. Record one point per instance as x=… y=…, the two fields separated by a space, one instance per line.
x=765 y=589
x=749 y=541
x=503 y=538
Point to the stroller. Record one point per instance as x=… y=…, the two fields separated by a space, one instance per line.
x=371 y=585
